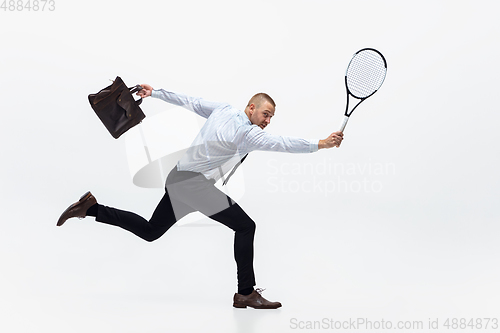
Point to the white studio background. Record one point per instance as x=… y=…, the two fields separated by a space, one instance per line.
x=399 y=223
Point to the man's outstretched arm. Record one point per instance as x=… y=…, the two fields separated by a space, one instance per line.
x=197 y=105
x=258 y=139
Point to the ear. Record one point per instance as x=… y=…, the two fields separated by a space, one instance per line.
x=251 y=108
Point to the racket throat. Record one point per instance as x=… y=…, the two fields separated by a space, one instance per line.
x=348 y=113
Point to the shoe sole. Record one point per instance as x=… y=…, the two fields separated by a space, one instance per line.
x=244 y=306
x=82 y=198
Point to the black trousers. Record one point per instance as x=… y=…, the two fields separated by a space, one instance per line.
x=186 y=192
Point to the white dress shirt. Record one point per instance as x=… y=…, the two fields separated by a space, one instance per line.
x=226 y=137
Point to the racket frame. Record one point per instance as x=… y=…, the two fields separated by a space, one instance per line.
x=349 y=93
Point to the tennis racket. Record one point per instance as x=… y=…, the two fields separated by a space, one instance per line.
x=363 y=77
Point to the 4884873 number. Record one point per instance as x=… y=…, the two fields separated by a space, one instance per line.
x=473 y=323
x=29 y=5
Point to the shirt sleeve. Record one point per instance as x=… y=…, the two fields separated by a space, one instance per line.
x=257 y=139
x=197 y=105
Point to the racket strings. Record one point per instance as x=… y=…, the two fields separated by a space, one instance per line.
x=365 y=74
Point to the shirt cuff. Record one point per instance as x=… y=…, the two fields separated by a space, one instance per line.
x=155 y=93
x=314 y=145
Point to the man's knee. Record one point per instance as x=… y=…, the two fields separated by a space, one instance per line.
x=152 y=234
x=150 y=239
x=248 y=226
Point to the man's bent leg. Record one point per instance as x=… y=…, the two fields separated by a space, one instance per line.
x=162 y=219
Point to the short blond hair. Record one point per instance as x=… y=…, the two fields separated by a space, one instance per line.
x=260 y=98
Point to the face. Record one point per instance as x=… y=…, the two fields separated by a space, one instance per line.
x=261 y=116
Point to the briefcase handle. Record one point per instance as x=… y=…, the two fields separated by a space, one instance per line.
x=135 y=89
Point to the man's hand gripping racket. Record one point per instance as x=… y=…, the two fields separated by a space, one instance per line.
x=364 y=76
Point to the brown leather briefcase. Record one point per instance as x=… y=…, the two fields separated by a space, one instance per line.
x=117 y=108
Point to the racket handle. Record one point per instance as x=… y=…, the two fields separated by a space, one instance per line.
x=344 y=123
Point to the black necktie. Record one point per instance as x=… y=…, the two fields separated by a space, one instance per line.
x=234 y=169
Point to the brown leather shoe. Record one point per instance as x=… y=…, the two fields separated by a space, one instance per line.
x=78 y=209
x=254 y=300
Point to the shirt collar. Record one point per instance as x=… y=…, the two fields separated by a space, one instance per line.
x=244 y=118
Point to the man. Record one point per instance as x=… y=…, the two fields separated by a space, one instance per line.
x=225 y=139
